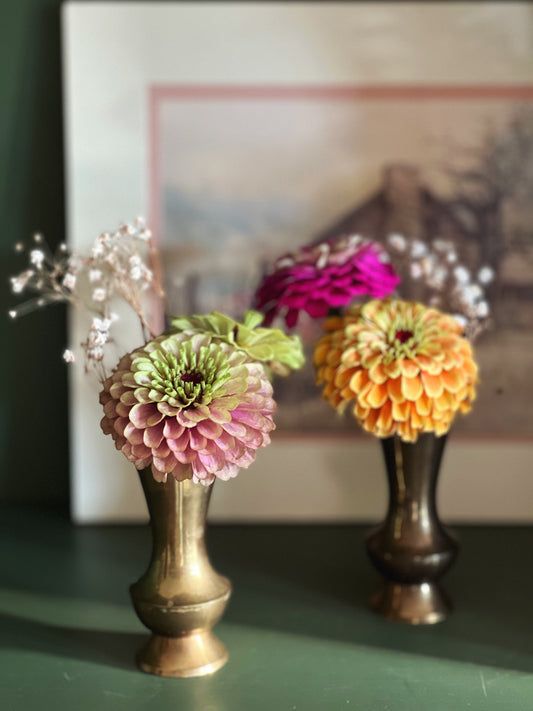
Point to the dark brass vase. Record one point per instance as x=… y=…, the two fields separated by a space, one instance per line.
x=181 y=596
x=411 y=548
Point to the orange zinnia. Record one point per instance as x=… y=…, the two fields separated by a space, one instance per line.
x=408 y=368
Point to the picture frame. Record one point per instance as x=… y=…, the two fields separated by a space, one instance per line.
x=124 y=60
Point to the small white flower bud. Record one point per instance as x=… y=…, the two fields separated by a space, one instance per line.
x=415 y=270
x=485 y=275
x=17 y=285
x=418 y=249
x=99 y=294
x=69 y=280
x=95 y=352
x=98 y=250
x=461 y=320
x=428 y=264
x=397 y=242
x=438 y=277
x=462 y=275
x=37 y=258
x=474 y=292
x=482 y=309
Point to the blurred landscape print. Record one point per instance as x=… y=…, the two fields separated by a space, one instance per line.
x=242 y=179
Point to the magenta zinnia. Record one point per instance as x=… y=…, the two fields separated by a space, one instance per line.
x=325 y=276
x=188 y=406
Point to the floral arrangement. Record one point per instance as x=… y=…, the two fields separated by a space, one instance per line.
x=195 y=402
x=406 y=366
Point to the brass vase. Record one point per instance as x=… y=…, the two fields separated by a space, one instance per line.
x=181 y=596
x=411 y=548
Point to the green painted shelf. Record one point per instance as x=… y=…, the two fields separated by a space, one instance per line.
x=300 y=634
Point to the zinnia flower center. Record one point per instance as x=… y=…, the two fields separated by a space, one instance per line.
x=193 y=377
x=188 y=378
x=403 y=335
x=402 y=340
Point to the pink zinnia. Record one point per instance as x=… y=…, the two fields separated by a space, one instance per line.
x=190 y=406
x=325 y=276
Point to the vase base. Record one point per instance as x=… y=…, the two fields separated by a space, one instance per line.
x=416 y=604
x=197 y=654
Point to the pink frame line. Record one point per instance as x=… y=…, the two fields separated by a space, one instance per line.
x=420 y=92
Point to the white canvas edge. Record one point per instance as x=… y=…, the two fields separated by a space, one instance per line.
x=295 y=479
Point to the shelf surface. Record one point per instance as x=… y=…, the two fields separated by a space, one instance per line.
x=298 y=628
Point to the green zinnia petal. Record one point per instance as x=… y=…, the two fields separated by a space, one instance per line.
x=267 y=345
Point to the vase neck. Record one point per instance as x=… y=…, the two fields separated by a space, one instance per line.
x=178 y=512
x=412 y=472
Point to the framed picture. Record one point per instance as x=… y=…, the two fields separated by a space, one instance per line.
x=244 y=131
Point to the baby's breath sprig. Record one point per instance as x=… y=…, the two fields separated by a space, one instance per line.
x=122 y=263
x=118 y=265
x=50 y=275
x=445 y=283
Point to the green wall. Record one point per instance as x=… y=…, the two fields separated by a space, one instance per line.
x=33 y=404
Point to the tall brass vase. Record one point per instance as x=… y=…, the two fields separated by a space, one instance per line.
x=411 y=548
x=180 y=597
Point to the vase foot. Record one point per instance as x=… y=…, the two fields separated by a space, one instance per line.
x=416 y=604
x=196 y=654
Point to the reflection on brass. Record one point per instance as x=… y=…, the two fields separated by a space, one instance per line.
x=411 y=548
x=181 y=596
